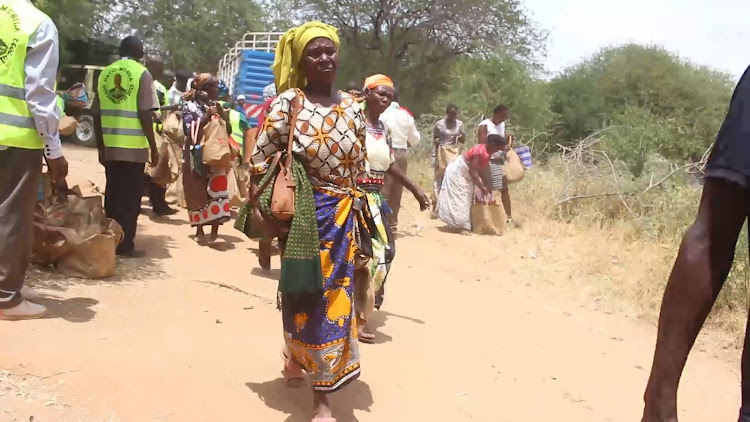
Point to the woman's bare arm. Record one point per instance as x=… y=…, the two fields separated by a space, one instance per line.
x=483 y=134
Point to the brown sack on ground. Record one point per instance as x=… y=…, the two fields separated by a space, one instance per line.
x=51 y=243
x=488 y=219
x=93 y=257
x=68 y=125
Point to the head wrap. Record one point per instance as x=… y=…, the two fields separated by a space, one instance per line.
x=198 y=84
x=241 y=97
x=223 y=88
x=289 y=53
x=378 y=80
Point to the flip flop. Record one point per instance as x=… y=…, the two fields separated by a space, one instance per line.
x=366 y=340
x=293 y=374
x=324 y=420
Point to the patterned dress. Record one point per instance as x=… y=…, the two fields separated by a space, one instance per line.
x=457 y=192
x=330 y=142
x=371 y=274
x=206 y=195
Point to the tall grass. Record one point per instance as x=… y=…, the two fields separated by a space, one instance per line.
x=655 y=220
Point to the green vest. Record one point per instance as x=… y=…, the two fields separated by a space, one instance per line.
x=118 y=98
x=61 y=105
x=18 y=21
x=234 y=120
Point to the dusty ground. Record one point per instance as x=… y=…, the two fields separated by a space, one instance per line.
x=473 y=328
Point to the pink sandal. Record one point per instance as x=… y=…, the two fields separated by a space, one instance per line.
x=293 y=373
x=324 y=420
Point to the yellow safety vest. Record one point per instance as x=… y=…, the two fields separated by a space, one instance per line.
x=234 y=120
x=61 y=104
x=18 y=21
x=118 y=99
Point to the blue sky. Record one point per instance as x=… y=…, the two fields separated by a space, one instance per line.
x=715 y=33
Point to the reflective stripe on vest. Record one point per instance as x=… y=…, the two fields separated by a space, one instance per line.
x=118 y=98
x=61 y=105
x=19 y=21
x=234 y=120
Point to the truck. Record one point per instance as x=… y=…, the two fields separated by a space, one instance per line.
x=246 y=69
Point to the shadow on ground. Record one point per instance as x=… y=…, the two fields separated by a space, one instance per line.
x=297 y=402
x=77 y=309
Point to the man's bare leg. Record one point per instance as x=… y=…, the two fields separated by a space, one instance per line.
x=702 y=266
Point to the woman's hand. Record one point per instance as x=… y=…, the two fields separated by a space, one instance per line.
x=222 y=113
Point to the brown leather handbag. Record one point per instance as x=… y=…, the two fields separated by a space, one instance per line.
x=282 y=197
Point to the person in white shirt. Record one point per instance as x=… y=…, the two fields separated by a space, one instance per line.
x=404 y=134
x=179 y=88
x=21 y=167
x=496 y=126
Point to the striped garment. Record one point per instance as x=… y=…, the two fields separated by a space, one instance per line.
x=524 y=153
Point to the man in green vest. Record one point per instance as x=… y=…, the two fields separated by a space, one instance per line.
x=239 y=123
x=157 y=193
x=127 y=135
x=29 y=119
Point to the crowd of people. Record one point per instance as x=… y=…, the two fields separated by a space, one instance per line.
x=327 y=168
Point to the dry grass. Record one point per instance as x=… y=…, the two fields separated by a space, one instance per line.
x=627 y=246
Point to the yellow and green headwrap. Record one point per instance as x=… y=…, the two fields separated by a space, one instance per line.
x=286 y=71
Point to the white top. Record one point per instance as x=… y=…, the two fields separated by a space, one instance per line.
x=492 y=128
x=174 y=95
x=42 y=59
x=269 y=92
x=400 y=123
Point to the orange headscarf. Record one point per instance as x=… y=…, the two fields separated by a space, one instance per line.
x=378 y=80
x=198 y=85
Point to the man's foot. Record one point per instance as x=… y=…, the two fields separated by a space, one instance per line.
x=26 y=310
x=163 y=212
x=131 y=254
x=30 y=294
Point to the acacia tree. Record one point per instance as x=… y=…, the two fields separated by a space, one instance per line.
x=415 y=41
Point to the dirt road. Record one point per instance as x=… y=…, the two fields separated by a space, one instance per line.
x=473 y=329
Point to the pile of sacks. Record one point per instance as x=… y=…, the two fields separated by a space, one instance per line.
x=72 y=232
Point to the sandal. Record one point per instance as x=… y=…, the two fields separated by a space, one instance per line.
x=324 y=420
x=367 y=338
x=294 y=375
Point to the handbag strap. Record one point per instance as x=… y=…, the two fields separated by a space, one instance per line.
x=293 y=113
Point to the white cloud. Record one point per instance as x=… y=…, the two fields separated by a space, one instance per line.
x=708 y=32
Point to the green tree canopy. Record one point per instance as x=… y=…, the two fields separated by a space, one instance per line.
x=190 y=34
x=590 y=95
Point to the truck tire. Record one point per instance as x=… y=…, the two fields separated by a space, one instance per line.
x=85 y=132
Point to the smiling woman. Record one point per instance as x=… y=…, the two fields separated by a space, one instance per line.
x=316 y=288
